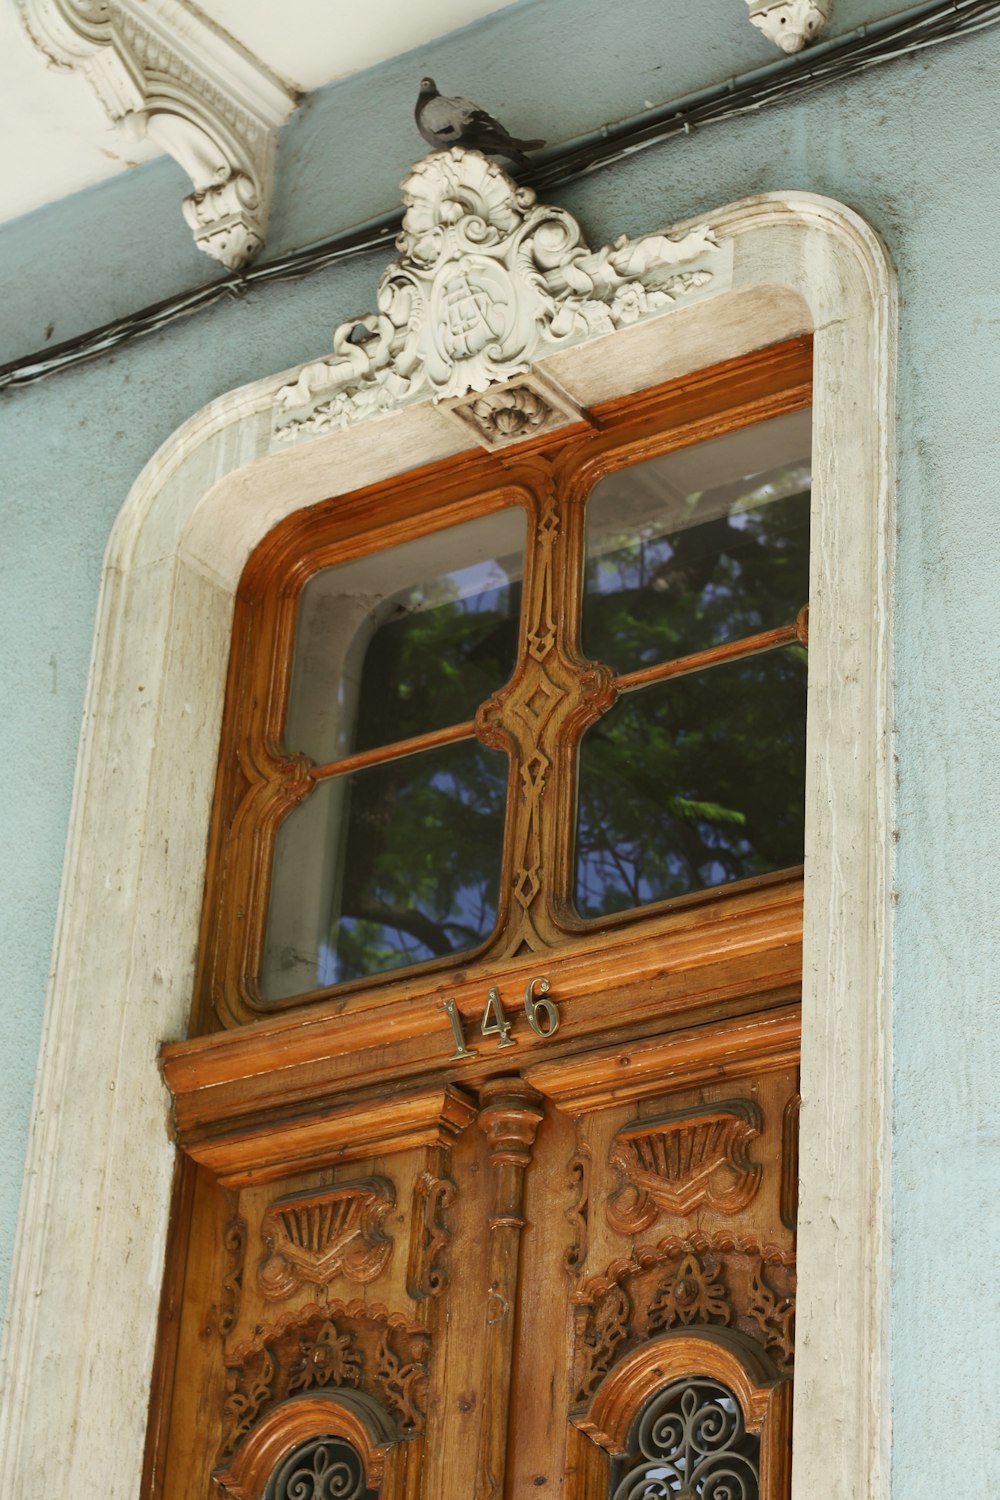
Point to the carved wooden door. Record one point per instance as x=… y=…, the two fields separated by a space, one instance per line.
x=517 y=1218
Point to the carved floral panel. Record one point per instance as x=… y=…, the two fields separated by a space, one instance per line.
x=346 y=1346
x=704 y=1281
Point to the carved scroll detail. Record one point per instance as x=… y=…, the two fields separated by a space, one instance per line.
x=600 y=1335
x=313 y=1237
x=248 y=1393
x=773 y=1311
x=403 y=1383
x=234 y=1238
x=429 y=1235
x=682 y=1161
x=790 y=1163
x=578 y=1212
x=169 y=73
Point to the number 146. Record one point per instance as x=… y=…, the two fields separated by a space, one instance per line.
x=543 y=1018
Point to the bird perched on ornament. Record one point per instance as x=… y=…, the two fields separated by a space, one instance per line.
x=445 y=122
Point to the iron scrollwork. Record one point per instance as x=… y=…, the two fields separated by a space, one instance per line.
x=324 y=1468
x=690 y=1443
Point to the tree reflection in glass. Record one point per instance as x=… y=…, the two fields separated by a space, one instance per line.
x=390 y=864
x=406 y=641
x=692 y=783
x=421 y=862
x=700 y=546
x=696 y=777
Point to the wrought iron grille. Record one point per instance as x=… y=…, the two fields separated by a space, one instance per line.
x=323 y=1468
x=690 y=1443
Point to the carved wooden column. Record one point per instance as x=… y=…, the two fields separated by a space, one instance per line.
x=510 y=1115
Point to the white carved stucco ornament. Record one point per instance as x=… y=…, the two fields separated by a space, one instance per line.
x=790 y=24
x=166 y=72
x=487 y=282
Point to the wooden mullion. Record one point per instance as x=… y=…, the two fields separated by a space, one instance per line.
x=538 y=718
x=713 y=656
x=396 y=751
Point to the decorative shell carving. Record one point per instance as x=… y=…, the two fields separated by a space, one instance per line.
x=488 y=280
x=681 y=1161
x=313 y=1237
x=510 y=413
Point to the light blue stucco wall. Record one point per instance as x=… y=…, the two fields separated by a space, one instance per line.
x=913 y=147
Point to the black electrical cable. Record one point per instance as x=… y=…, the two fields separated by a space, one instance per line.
x=825 y=63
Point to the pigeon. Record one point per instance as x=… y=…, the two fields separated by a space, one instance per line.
x=458 y=122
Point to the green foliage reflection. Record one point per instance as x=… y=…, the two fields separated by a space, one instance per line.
x=433 y=663
x=422 y=861
x=692 y=783
x=653 y=596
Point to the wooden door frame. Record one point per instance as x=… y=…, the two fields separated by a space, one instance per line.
x=93 y=1226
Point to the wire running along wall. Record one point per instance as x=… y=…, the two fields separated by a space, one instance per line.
x=823 y=64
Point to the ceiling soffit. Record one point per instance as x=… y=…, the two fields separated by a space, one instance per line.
x=167 y=73
x=169 y=76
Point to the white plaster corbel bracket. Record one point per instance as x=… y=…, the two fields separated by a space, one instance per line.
x=163 y=70
x=790 y=24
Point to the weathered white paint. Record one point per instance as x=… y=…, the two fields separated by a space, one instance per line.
x=790 y=24
x=93 y=1226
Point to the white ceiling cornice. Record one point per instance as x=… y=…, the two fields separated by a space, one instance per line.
x=162 y=70
x=128 y=79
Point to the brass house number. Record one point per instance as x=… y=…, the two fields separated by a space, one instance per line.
x=543 y=1018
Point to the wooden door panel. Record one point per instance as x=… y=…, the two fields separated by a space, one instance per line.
x=324 y=1283
x=700 y=1256
x=485 y=1285
x=472 y=1256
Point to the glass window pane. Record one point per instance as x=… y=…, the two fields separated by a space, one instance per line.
x=693 y=782
x=703 y=545
x=406 y=640
x=386 y=867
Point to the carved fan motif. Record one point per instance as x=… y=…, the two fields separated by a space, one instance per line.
x=316 y=1236
x=681 y=1161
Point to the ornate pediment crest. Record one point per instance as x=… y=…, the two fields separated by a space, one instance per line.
x=488 y=281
